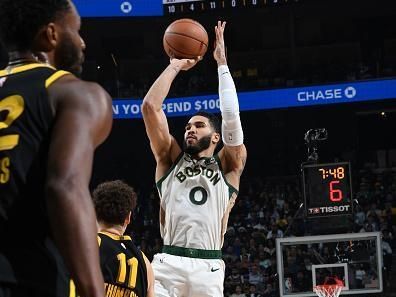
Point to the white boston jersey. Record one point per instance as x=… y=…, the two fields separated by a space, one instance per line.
x=197 y=200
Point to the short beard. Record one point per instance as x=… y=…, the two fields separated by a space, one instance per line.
x=68 y=57
x=201 y=145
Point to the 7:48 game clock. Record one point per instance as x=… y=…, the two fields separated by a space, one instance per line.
x=327 y=189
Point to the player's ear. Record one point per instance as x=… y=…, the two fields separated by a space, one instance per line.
x=128 y=219
x=46 y=38
x=215 y=138
x=52 y=34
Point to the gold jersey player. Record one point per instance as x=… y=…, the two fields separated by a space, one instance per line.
x=50 y=124
x=197 y=188
x=126 y=270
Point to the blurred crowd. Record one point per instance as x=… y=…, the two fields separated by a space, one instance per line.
x=253 y=77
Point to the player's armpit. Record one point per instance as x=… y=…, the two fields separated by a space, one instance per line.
x=233 y=161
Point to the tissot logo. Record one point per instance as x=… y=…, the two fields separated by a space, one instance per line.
x=329 y=209
x=339 y=93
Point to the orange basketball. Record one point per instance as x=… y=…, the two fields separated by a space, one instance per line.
x=185 y=39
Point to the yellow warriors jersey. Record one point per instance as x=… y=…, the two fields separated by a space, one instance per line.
x=123 y=266
x=196 y=200
x=26 y=120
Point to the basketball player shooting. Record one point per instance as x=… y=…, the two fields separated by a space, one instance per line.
x=197 y=188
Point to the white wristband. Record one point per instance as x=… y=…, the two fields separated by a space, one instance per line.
x=232 y=133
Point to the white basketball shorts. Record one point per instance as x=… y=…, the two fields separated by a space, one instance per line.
x=177 y=276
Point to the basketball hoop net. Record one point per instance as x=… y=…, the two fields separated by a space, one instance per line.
x=329 y=290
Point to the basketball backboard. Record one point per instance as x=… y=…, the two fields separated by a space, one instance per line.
x=354 y=258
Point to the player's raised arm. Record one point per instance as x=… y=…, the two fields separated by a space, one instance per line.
x=163 y=145
x=83 y=121
x=233 y=155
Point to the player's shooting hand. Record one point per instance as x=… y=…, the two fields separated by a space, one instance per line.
x=219 y=52
x=184 y=64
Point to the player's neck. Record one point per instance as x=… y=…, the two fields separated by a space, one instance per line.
x=17 y=58
x=208 y=153
x=117 y=230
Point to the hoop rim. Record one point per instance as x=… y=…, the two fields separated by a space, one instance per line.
x=329 y=286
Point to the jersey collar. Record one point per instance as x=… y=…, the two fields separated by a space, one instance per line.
x=115 y=236
x=17 y=69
